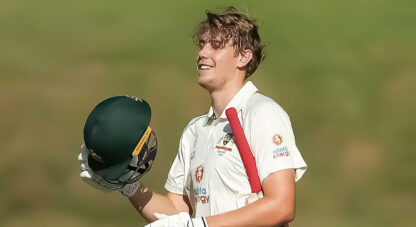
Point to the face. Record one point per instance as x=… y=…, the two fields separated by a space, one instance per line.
x=216 y=67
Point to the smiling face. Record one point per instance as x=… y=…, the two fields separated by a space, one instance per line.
x=218 y=66
x=220 y=30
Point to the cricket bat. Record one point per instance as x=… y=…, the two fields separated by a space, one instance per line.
x=245 y=152
x=246 y=156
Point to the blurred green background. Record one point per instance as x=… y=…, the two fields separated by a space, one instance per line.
x=345 y=71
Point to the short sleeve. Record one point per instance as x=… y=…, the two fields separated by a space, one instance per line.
x=272 y=141
x=177 y=181
x=176 y=177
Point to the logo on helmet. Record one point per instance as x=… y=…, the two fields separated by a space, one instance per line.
x=135 y=98
x=95 y=156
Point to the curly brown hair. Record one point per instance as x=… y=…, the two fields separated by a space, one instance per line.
x=221 y=28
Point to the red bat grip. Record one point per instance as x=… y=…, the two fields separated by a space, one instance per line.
x=245 y=152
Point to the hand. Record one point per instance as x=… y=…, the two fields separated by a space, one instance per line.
x=98 y=182
x=178 y=220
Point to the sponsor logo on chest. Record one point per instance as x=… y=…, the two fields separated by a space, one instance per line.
x=199 y=173
x=201 y=195
x=225 y=144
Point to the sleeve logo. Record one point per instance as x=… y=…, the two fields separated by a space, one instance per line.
x=281 y=152
x=277 y=139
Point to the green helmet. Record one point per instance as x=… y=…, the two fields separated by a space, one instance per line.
x=119 y=139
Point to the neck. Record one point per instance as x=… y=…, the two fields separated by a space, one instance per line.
x=221 y=97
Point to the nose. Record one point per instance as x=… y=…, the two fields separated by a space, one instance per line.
x=205 y=51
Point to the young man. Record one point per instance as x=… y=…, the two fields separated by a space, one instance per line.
x=207 y=178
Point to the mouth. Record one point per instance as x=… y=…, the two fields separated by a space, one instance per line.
x=204 y=67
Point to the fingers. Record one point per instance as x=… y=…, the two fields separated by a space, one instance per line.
x=83 y=158
x=84 y=147
x=85 y=174
x=85 y=152
x=83 y=167
x=80 y=157
x=88 y=175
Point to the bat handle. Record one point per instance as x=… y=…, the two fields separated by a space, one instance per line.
x=251 y=198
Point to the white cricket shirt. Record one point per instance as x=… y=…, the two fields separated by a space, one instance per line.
x=208 y=167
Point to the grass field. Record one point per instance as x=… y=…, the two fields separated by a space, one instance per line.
x=345 y=71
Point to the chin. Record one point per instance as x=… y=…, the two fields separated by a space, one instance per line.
x=206 y=83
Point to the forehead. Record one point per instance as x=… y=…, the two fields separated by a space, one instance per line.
x=216 y=40
x=210 y=36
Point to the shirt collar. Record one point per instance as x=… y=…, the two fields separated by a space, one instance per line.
x=238 y=101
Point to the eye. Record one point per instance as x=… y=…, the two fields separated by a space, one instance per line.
x=201 y=44
x=216 y=44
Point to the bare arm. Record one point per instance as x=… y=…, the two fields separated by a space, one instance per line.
x=277 y=207
x=147 y=202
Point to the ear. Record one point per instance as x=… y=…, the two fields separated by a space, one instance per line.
x=244 y=58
